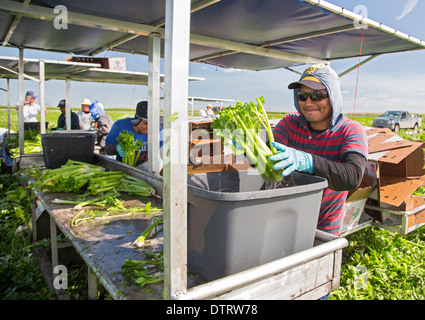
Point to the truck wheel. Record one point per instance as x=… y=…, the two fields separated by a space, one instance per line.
x=415 y=128
x=396 y=128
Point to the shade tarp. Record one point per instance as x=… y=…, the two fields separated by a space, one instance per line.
x=246 y=34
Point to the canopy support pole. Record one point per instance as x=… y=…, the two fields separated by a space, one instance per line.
x=21 y=101
x=8 y=107
x=358 y=64
x=154 y=77
x=176 y=52
x=42 y=97
x=68 y=104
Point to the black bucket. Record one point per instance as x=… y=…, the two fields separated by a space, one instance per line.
x=60 y=146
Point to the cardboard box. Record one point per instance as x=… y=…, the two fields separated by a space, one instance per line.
x=354 y=206
x=409 y=219
x=115 y=63
x=399 y=167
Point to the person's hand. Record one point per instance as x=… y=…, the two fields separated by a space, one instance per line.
x=291 y=160
x=120 y=151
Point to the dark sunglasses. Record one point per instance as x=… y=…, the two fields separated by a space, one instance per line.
x=315 y=96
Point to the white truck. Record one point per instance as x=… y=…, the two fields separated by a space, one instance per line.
x=396 y=120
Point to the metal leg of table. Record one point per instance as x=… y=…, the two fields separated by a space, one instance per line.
x=92 y=285
x=53 y=243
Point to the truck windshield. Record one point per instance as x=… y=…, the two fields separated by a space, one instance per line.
x=391 y=114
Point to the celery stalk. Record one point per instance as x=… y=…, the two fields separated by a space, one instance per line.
x=243 y=123
x=140 y=241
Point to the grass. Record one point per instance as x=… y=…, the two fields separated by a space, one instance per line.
x=382 y=265
x=20 y=275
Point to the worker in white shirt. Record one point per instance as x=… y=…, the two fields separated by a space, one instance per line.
x=31 y=109
x=210 y=112
x=86 y=119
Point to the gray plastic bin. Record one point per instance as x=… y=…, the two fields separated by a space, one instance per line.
x=234 y=224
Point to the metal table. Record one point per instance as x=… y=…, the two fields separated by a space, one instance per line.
x=104 y=245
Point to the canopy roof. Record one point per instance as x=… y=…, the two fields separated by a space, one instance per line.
x=265 y=34
x=76 y=71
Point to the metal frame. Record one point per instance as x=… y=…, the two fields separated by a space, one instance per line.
x=154 y=78
x=177 y=34
x=193 y=99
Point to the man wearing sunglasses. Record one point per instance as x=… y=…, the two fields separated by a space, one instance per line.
x=319 y=140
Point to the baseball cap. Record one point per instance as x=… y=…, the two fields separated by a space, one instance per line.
x=141 y=113
x=31 y=94
x=308 y=79
x=62 y=103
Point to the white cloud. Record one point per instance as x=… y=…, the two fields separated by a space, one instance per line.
x=408 y=7
x=231 y=70
x=381 y=92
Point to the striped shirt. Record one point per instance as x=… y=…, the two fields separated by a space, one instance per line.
x=332 y=144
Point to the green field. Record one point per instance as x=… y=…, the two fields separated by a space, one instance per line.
x=53 y=115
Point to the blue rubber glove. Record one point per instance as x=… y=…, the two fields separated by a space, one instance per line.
x=120 y=151
x=291 y=160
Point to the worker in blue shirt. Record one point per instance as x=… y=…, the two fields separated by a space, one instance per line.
x=138 y=126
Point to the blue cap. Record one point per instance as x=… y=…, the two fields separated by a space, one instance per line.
x=31 y=93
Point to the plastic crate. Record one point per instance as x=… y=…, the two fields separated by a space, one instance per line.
x=235 y=224
x=60 y=146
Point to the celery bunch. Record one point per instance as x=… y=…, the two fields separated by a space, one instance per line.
x=144 y=272
x=243 y=124
x=105 y=181
x=76 y=176
x=126 y=141
x=32 y=143
x=121 y=182
x=71 y=177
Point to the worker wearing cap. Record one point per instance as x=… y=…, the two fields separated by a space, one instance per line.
x=86 y=119
x=75 y=122
x=138 y=126
x=31 y=109
x=318 y=139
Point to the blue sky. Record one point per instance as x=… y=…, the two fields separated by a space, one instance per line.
x=392 y=81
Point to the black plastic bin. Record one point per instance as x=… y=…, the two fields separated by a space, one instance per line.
x=60 y=146
x=34 y=125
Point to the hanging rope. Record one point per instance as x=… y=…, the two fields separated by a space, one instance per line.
x=358 y=71
x=267 y=49
x=216 y=62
